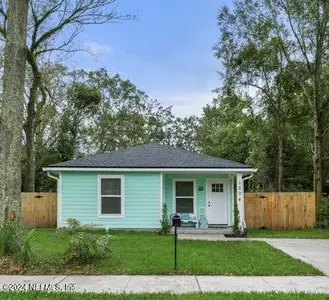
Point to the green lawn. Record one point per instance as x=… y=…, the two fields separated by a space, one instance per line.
x=295 y=234
x=149 y=253
x=204 y=296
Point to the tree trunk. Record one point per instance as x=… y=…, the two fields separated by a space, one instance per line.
x=29 y=128
x=12 y=109
x=280 y=162
x=317 y=122
x=317 y=160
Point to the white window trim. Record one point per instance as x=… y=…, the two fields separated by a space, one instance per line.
x=99 y=197
x=194 y=192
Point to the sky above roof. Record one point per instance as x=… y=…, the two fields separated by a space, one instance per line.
x=167 y=52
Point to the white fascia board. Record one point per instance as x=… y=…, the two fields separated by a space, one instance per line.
x=176 y=170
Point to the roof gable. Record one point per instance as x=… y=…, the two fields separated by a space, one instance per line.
x=152 y=155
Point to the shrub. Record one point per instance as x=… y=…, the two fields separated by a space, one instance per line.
x=85 y=247
x=73 y=225
x=16 y=242
x=10 y=235
x=165 y=222
x=323 y=213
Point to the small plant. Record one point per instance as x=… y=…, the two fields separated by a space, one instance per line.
x=16 y=242
x=73 y=225
x=165 y=222
x=322 y=219
x=236 y=227
x=85 y=247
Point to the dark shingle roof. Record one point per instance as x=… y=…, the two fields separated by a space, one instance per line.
x=152 y=155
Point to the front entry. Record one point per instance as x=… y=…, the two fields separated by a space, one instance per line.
x=217 y=202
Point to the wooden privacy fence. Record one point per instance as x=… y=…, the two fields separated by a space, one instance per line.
x=271 y=210
x=280 y=210
x=39 y=209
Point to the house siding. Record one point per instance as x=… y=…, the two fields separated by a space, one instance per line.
x=142 y=198
x=201 y=180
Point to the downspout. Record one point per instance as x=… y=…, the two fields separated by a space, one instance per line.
x=243 y=180
x=58 y=197
x=52 y=176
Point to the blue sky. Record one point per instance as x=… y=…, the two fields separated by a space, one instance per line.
x=167 y=52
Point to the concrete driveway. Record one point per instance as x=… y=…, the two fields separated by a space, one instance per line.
x=315 y=252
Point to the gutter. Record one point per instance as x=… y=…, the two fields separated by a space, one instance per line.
x=175 y=170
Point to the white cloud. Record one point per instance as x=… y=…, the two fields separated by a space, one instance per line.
x=185 y=104
x=99 y=49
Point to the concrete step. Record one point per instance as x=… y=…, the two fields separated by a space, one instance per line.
x=217 y=231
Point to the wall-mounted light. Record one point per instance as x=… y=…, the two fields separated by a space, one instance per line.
x=200 y=187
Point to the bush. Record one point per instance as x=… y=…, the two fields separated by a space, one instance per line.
x=16 y=242
x=74 y=226
x=323 y=213
x=165 y=222
x=85 y=247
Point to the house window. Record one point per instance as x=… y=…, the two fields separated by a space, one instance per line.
x=111 y=195
x=217 y=188
x=184 y=196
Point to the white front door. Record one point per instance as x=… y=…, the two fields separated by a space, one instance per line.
x=217 y=201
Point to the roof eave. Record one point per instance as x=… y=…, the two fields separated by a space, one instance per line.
x=192 y=170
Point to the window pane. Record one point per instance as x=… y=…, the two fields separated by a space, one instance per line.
x=111 y=205
x=184 y=188
x=111 y=186
x=184 y=205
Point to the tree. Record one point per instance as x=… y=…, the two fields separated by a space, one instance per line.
x=299 y=32
x=83 y=103
x=127 y=116
x=12 y=108
x=49 y=20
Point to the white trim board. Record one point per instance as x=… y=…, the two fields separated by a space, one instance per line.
x=175 y=170
x=194 y=193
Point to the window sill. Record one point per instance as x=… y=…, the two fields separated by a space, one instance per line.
x=110 y=216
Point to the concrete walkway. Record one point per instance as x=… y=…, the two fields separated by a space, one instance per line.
x=158 y=284
x=314 y=252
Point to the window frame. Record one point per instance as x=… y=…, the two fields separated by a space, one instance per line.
x=194 y=192
x=99 y=196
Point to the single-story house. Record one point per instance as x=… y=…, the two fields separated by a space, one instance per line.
x=128 y=187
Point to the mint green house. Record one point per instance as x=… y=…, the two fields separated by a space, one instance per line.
x=127 y=188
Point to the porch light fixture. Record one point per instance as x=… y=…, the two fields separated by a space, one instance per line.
x=200 y=187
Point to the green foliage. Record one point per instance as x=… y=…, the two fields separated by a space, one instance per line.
x=236 y=228
x=73 y=225
x=165 y=221
x=16 y=242
x=83 y=97
x=86 y=247
x=323 y=213
x=10 y=238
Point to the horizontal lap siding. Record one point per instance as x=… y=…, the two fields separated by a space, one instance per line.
x=142 y=199
x=201 y=195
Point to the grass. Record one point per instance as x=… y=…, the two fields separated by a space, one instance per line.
x=148 y=253
x=164 y=296
x=294 y=234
